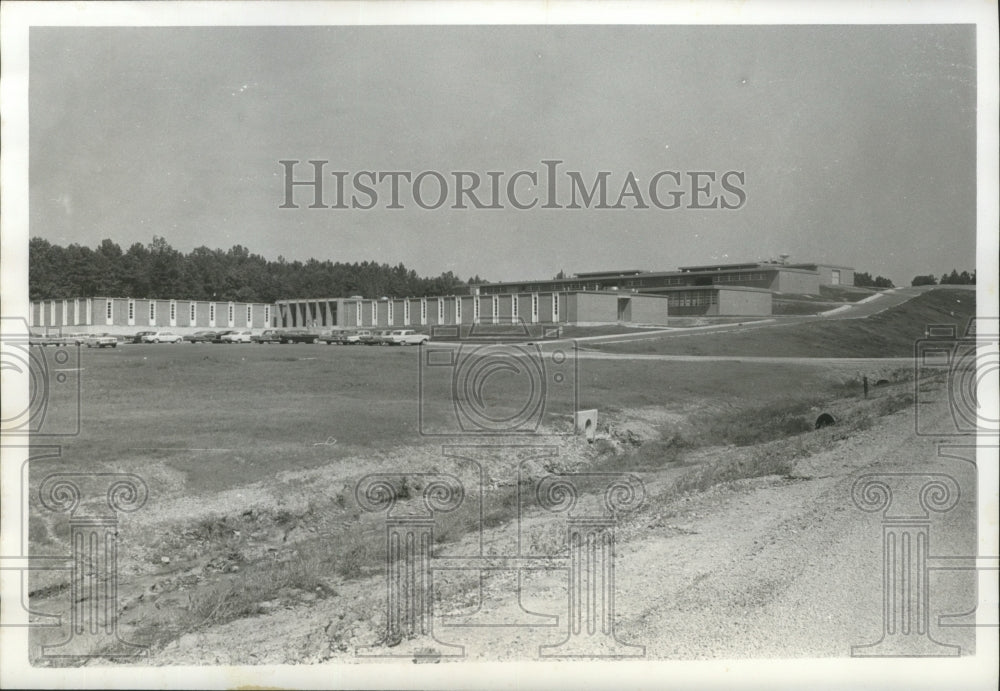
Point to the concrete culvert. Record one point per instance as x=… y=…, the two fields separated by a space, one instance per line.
x=825 y=420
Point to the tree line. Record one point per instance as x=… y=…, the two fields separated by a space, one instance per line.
x=865 y=280
x=953 y=279
x=157 y=270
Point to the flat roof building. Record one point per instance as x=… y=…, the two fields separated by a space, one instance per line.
x=594 y=297
x=772 y=276
x=128 y=315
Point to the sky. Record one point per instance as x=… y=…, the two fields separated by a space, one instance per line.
x=857 y=143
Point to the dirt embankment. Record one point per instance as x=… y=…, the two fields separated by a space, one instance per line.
x=751 y=549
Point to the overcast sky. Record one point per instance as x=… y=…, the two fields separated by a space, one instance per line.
x=857 y=143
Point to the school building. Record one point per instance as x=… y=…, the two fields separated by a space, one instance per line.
x=129 y=315
x=604 y=297
x=775 y=277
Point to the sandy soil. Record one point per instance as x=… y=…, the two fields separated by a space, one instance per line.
x=775 y=566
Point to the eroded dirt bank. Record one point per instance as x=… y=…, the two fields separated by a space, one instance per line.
x=713 y=565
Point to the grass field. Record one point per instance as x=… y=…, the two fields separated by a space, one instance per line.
x=891 y=333
x=251 y=453
x=223 y=415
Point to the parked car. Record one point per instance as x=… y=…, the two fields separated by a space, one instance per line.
x=217 y=338
x=161 y=337
x=268 y=336
x=358 y=337
x=236 y=337
x=379 y=338
x=141 y=337
x=39 y=339
x=74 y=339
x=338 y=336
x=104 y=340
x=201 y=337
x=298 y=335
x=405 y=337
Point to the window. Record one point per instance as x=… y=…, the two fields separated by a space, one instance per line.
x=173 y=313
x=513 y=307
x=440 y=302
x=555 y=307
x=423 y=310
x=267 y=315
x=475 y=310
x=357 y=312
x=390 y=310
x=193 y=313
x=249 y=315
x=152 y=312
x=65 y=312
x=131 y=312
x=496 y=309
x=231 y=314
x=534 y=308
x=374 y=312
x=211 y=314
x=458 y=310
x=406 y=312
x=109 y=310
x=835 y=277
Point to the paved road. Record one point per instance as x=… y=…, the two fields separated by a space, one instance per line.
x=883 y=301
x=855 y=310
x=823 y=361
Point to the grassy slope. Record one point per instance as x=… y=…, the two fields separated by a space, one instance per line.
x=888 y=334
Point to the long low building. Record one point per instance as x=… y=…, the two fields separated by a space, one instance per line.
x=581 y=308
x=541 y=307
x=129 y=315
x=773 y=276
